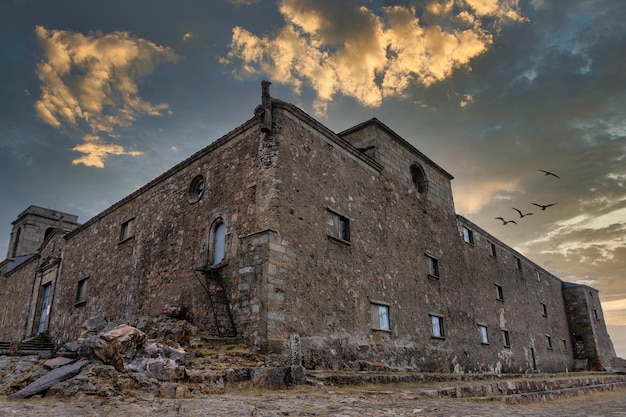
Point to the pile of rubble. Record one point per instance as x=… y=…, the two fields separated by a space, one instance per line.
x=164 y=355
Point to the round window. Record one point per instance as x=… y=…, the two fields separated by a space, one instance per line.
x=196 y=188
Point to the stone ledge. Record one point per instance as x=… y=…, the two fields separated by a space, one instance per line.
x=510 y=389
x=540 y=397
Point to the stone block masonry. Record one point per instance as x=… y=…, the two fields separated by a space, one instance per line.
x=284 y=231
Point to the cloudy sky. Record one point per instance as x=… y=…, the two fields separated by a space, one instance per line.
x=99 y=97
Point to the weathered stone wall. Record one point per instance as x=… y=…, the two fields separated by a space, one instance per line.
x=531 y=309
x=15 y=292
x=397 y=156
x=590 y=337
x=292 y=268
x=20 y=290
x=169 y=238
x=329 y=286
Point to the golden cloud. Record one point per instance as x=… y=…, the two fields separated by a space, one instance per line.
x=90 y=82
x=467 y=100
x=94 y=153
x=338 y=48
x=507 y=9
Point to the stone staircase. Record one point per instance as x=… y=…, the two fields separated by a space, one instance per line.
x=222 y=362
x=38 y=345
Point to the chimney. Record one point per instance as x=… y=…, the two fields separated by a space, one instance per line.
x=265 y=116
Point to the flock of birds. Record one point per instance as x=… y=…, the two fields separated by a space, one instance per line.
x=543 y=207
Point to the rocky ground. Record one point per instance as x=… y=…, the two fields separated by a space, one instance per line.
x=370 y=401
x=162 y=367
x=162 y=355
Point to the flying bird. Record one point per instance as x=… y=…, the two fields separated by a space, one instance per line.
x=544 y=207
x=522 y=215
x=549 y=173
x=505 y=222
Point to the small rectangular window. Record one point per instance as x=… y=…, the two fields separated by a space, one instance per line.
x=492 y=249
x=544 y=310
x=506 y=338
x=484 y=335
x=437 y=326
x=564 y=344
x=518 y=263
x=380 y=317
x=433 y=266
x=126 y=231
x=468 y=235
x=81 y=292
x=344 y=228
x=595 y=313
x=499 y=293
x=339 y=226
x=549 y=341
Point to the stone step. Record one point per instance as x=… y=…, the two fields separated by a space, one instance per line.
x=40 y=344
x=543 y=396
x=222 y=353
x=483 y=387
x=534 y=387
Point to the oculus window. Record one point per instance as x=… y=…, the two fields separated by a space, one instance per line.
x=196 y=189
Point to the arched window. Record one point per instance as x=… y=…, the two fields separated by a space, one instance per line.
x=419 y=178
x=218 y=242
x=48 y=232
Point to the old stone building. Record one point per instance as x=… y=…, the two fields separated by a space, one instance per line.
x=284 y=231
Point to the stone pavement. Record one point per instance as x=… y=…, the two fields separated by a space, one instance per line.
x=362 y=401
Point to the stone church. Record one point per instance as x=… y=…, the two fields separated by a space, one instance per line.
x=283 y=230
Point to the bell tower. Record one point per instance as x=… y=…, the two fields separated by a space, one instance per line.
x=33 y=226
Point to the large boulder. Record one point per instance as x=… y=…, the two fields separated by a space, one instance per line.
x=118 y=346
